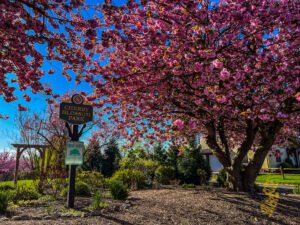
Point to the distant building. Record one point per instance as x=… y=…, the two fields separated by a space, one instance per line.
x=279 y=155
x=214 y=163
x=273 y=159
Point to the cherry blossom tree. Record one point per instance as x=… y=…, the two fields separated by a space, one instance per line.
x=8 y=164
x=43 y=31
x=228 y=69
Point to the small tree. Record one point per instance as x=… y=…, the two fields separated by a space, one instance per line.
x=93 y=160
x=191 y=163
x=159 y=154
x=110 y=158
x=172 y=158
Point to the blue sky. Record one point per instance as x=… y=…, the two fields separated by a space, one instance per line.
x=38 y=104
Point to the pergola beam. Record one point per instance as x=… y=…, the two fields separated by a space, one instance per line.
x=20 y=149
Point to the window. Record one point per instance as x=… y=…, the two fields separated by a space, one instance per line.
x=278 y=156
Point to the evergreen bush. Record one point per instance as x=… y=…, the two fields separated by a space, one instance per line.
x=81 y=189
x=222 y=178
x=202 y=175
x=130 y=177
x=94 y=179
x=164 y=174
x=189 y=162
x=97 y=201
x=24 y=194
x=118 y=191
x=3 y=201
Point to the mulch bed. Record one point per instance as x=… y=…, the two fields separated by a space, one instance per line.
x=168 y=206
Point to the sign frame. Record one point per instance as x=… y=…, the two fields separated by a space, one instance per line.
x=76 y=112
x=79 y=161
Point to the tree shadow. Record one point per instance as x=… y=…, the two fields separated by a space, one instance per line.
x=238 y=201
x=286 y=206
x=116 y=220
x=211 y=212
x=263 y=216
x=134 y=199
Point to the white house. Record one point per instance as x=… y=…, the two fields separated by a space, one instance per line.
x=273 y=159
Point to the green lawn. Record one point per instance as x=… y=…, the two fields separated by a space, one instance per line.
x=21 y=183
x=277 y=179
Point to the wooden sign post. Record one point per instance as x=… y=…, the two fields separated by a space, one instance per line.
x=74 y=113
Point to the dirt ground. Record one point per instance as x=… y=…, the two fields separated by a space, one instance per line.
x=187 y=207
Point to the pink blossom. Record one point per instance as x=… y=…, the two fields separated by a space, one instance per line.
x=192 y=124
x=179 y=124
x=281 y=115
x=217 y=64
x=225 y=74
x=264 y=117
x=198 y=67
x=222 y=99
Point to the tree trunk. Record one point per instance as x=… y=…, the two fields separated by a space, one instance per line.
x=238 y=178
x=244 y=180
x=239 y=181
x=234 y=179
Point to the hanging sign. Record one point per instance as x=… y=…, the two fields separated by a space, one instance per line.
x=74 y=154
x=76 y=112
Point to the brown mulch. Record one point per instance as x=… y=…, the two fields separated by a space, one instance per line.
x=188 y=207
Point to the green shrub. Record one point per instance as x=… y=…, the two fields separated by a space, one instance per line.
x=24 y=194
x=296 y=190
x=188 y=185
x=94 y=179
x=130 y=177
x=222 y=178
x=6 y=187
x=3 y=201
x=118 y=190
x=81 y=189
x=164 y=174
x=286 y=165
x=202 y=175
x=97 y=201
x=127 y=163
x=64 y=192
x=189 y=162
x=55 y=186
x=146 y=166
x=289 y=161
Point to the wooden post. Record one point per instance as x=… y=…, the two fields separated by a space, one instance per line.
x=17 y=167
x=282 y=172
x=42 y=177
x=72 y=172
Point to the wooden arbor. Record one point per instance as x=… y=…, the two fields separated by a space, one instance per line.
x=20 y=149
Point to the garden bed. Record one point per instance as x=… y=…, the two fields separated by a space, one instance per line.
x=164 y=206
